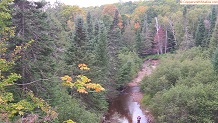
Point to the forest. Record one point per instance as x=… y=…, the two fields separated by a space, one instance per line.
x=62 y=63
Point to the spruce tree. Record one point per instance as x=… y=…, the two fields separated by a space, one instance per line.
x=89 y=31
x=89 y=26
x=32 y=23
x=214 y=39
x=101 y=48
x=77 y=53
x=215 y=60
x=139 y=46
x=114 y=37
x=212 y=19
x=200 y=33
x=100 y=69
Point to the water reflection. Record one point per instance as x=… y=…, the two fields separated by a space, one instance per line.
x=124 y=109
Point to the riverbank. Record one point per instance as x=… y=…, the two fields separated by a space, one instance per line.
x=127 y=105
x=147 y=68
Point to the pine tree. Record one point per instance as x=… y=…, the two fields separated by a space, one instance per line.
x=200 y=33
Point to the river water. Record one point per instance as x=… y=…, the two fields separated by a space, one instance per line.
x=124 y=109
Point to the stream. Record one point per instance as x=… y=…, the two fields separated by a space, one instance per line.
x=125 y=108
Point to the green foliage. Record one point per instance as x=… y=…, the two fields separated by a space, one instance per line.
x=186 y=104
x=183 y=88
x=63 y=40
x=77 y=52
x=214 y=39
x=139 y=46
x=5 y=14
x=69 y=107
x=90 y=34
x=215 y=61
x=155 y=56
x=101 y=48
x=213 y=18
x=200 y=34
x=130 y=64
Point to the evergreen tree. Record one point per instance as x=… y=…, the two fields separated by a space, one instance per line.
x=212 y=19
x=114 y=37
x=187 y=42
x=115 y=20
x=101 y=49
x=215 y=61
x=78 y=53
x=151 y=13
x=200 y=34
x=89 y=31
x=100 y=70
x=124 y=74
x=171 y=41
x=96 y=34
x=96 y=31
x=146 y=36
x=128 y=38
x=139 y=46
x=89 y=26
x=32 y=24
x=214 y=39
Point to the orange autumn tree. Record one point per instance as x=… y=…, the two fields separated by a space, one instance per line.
x=82 y=83
x=110 y=10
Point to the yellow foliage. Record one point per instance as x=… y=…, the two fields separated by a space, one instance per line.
x=1 y=100
x=84 y=78
x=83 y=67
x=69 y=121
x=19 y=107
x=66 y=78
x=20 y=113
x=82 y=90
x=82 y=83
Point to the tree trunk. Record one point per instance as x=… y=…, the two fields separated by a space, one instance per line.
x=165 y=47
x=173 y=31
x=160 y=51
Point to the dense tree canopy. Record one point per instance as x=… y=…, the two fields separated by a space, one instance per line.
x=39 y=43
